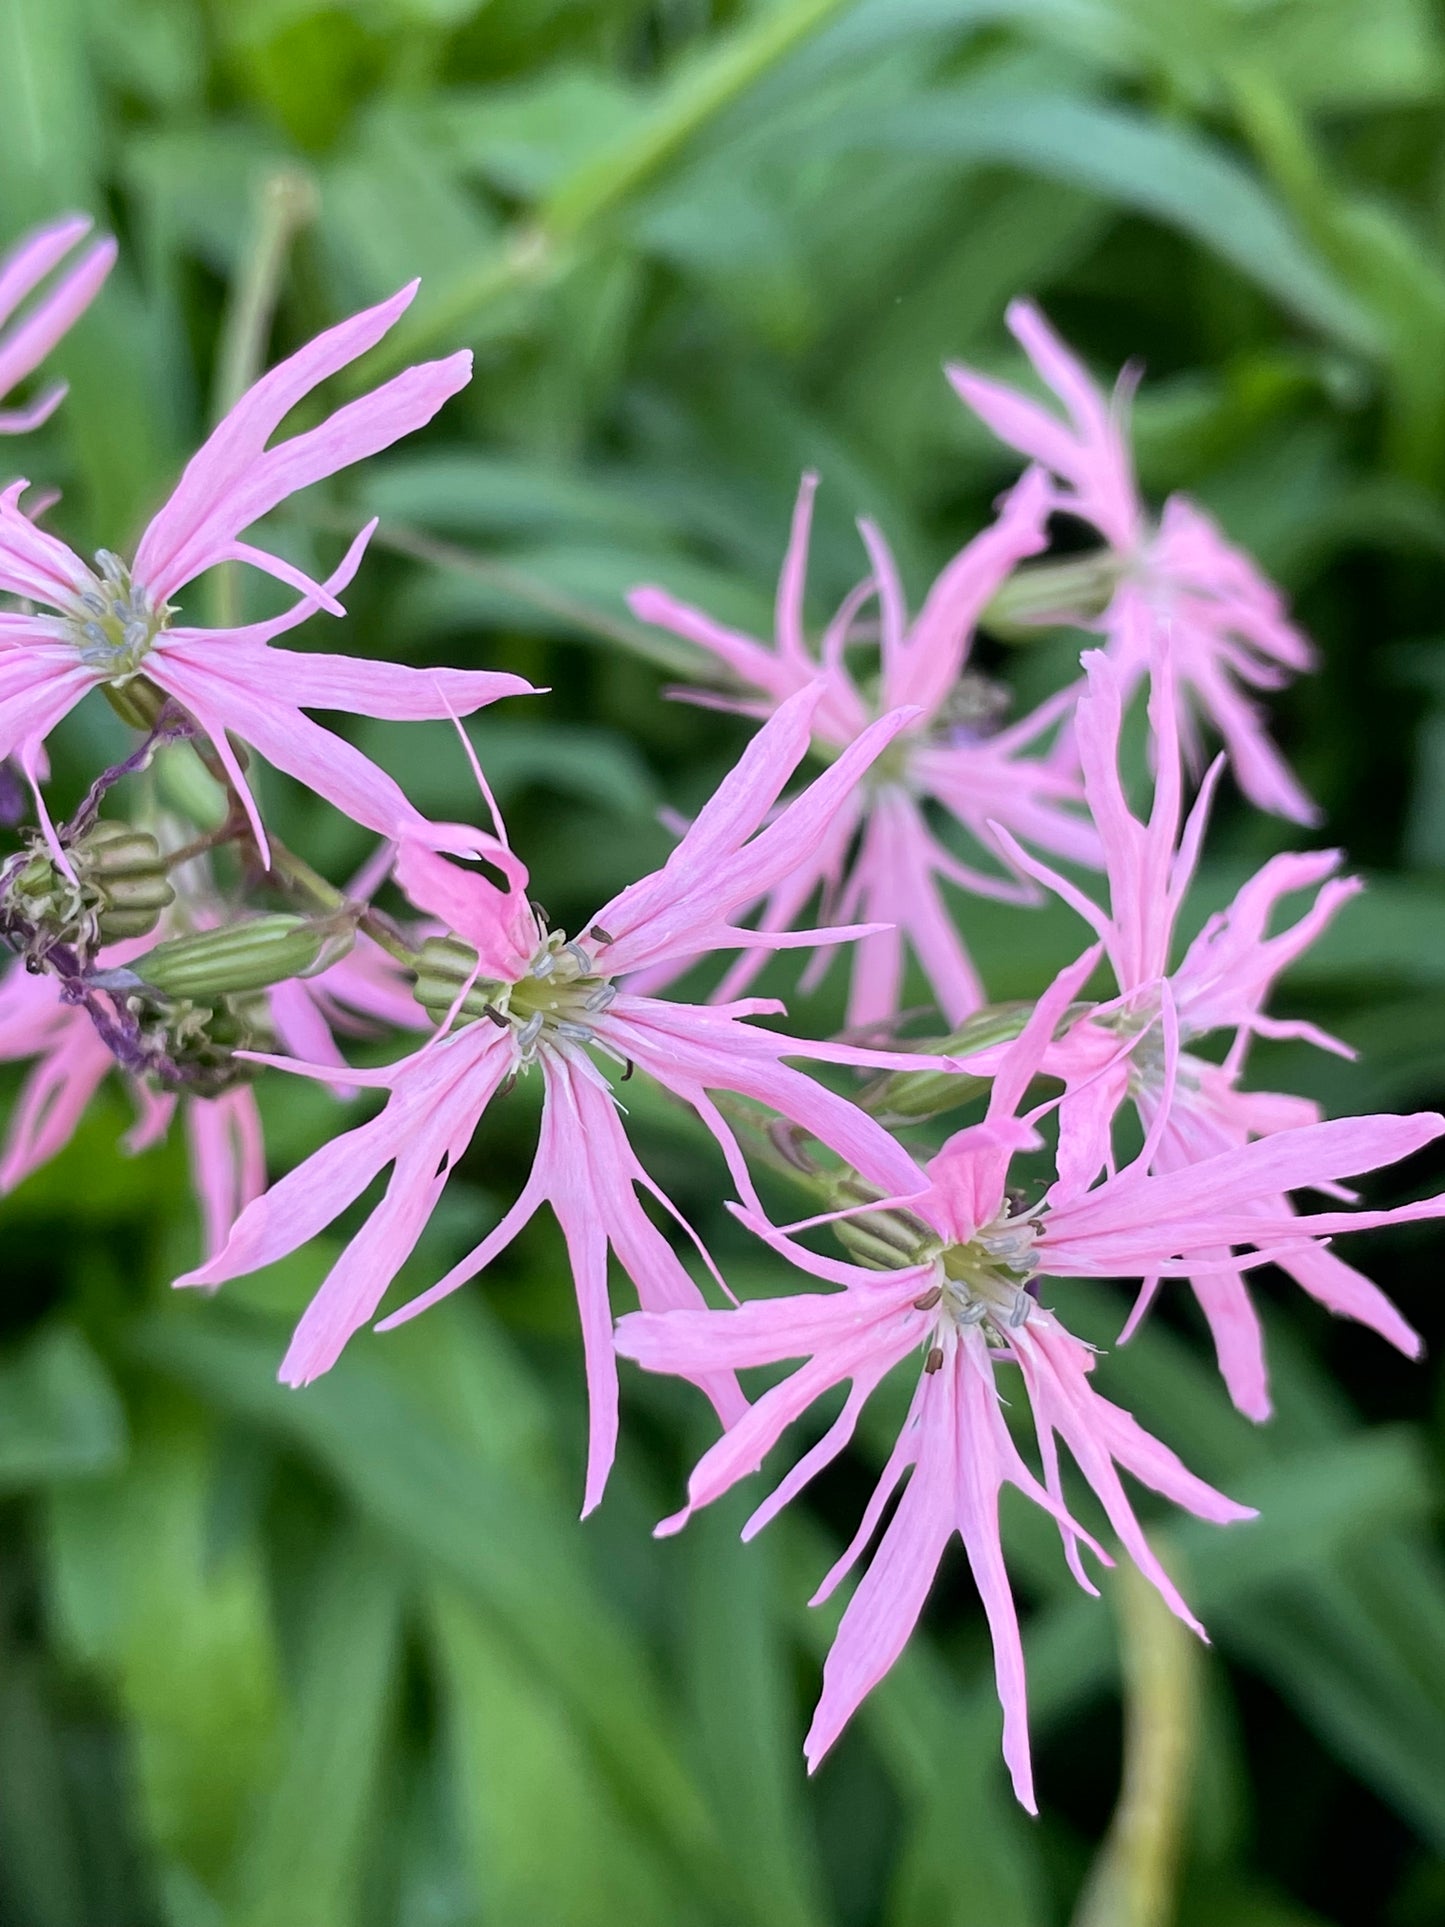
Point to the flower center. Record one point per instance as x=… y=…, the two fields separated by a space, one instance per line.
x=973 y=710
x=560 y=996
x=989 y=1277
x=116 y=625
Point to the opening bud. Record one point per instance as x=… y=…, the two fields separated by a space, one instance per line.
x=120 y=888
x=1044 y=594
x=138 y=702
x=241 y=957
x=444 y=966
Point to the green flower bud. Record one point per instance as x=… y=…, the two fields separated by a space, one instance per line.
x=908 y=1097
x=1042 y=594
x=126 y=872
x=119 y=889
x=241 y=957
x=137 y=702
x=444 y=965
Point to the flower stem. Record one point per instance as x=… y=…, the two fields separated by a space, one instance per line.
x=286 y=202
x=1134 y=1881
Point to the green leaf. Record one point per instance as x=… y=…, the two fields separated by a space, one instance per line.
x=178 y=1626
x=60 y=1417
x=518 y=1555
x=526 y=1776
x=1134 y=162
x=747 y=1744
x=303 y=1853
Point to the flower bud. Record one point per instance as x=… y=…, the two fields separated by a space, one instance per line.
x=443 y=967
x=908 y=1097
x=1044 y=594
x=885 y=1240
x=138 y=702
x=240 y=957
x=127 y=873
x=119 y=888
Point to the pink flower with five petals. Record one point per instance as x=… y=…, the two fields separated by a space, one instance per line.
x=965 y=1291
x=1227 y=625
x=1137 y=1049
x=950 y=756
x=554 y=1003
x=114 y=622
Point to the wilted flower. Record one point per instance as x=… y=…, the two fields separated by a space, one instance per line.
x=538 y=998
x=955 y=1273
x=1227 y=625
x=223 y=1127
x=953 y=755
x=26 y=343
x=113 y=623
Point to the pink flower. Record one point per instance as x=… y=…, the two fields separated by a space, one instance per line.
x=1136 y=1050
x=970 y=1262
x=1227 y=625
x=115 y=622
x=948 y=755
x=552 y=1002
x=30 y=340
x=223 y=1132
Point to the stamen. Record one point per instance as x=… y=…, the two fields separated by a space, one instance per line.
x=934 y=1360
x=930 y=1298
x=529 y=1032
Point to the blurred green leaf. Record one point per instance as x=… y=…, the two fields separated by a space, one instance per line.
x=60 y=1417
x=179 y=1626
x=1141 y=164
x=303 y=1852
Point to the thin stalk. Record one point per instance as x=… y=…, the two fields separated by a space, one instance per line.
x=285 y=203
x=675 y=657
x=1135 y=1879
x=542 y=247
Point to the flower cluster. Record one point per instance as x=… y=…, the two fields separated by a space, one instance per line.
x=186 y=950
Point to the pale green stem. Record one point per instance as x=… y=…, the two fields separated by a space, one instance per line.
x=677 y=658
x=285 y=203
x=1135 y=1879
x=581 y=203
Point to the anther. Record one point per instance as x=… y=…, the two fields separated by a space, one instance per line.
x=631 y=1067
x=973 y=1313
x=1019 y=1311
x=930 y=1298
x=934 y=1360
x=599 y=935
x=498 y=1017
x=578 y=1033
x=545 y=964
x=528 y=1034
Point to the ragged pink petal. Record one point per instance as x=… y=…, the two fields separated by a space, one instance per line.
x=25 y=345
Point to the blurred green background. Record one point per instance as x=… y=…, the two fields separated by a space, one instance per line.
x=277 y=1659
